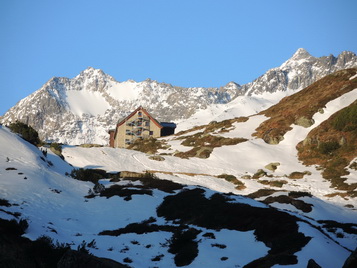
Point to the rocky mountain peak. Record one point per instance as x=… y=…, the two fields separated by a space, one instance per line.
x=91 y=79
x=301 y=53
x=91 y=72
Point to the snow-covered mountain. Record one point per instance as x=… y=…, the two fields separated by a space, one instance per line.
x=82 y=109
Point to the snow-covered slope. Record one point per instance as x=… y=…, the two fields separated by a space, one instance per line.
x=82 y=109
x=55 y=206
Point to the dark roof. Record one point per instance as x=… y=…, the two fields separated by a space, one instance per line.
x=168 y=124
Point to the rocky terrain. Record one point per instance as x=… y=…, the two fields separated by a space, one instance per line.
x=82 y=109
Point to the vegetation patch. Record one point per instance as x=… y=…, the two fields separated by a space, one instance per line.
x=209 y=235
x=151 y=181
x=261 y=193
x=295 y=194
x=4 y=203
x=157 y=158
x=149 y=145
x=353 y=166
x=213 y=126
x=28 y=133
x=278 y=230
x=56 y=148
x=216 y=245
x=333 y=146
x=18 y=251
x=148 y=182
x=346 y=120
x=10 y=168
x=184 y=245
x=158 y=257
x=260 y=173
x=230 y=178
x=285 y=199
x=277 y=183
x=203 y=144
x=296 y=175
x=123 y=191
x=92 y=175
x=90 y=145
x=332 y=226
x=144 y=227
x=200 y=152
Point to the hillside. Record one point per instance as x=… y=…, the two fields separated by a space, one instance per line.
x=262 y=148
x=149 y=221
x=273 y=189
x=80 y=110
x=301 y=107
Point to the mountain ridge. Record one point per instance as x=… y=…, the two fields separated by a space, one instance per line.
x=82 y=109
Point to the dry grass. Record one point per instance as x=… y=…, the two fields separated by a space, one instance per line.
x=332 y=148
x=298 y=175
x=304 y=104
x=149 y=145
x=203 y=144
x=278 y=183
x=222 y=126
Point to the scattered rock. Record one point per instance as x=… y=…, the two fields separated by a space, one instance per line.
x=272 y=139
x=272 y=166
x=298 y=175
x=342 y=141
x=284 y=199
x=246 y=177
x=157 y=158
x=10 y=168
x=304 y=122
x=260 y=173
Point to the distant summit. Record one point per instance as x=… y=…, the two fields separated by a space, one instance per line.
x=301 y=53
x=82 y=109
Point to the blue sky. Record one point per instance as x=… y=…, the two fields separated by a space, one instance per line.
x=183 y=42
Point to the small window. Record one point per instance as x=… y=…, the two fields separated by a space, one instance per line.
x=140 y=114
x=147 y=123
x=151 y=133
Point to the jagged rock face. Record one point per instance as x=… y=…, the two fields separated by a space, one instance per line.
x=300 y=71
x=82 y=109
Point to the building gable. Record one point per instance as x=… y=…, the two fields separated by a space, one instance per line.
x=137 y=125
